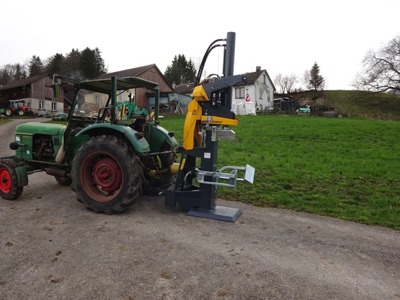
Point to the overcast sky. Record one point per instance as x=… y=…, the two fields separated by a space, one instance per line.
x=281 y=36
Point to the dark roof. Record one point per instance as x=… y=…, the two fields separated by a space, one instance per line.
x=253 y=76
x=136 y=72
x=23 y=82
x=128 y=72
x=186 y=88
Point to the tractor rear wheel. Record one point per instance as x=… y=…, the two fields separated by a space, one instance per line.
x=107 y=175
x=9 y=188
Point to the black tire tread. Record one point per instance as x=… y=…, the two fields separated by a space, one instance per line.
x=133 y=186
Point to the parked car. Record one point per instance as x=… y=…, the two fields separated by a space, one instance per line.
x=303 y=110
x=60 y=117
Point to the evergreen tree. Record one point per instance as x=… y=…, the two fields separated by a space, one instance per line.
x=91 y=63
x=20 y=72
x=4 y=77
x=99 y=61
x=35 y=66
x=56 y=64
x=316 y=81
x=87 y=64
x=72 y=62
x=180 y=71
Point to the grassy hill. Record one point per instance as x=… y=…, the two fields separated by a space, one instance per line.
x=357 y=104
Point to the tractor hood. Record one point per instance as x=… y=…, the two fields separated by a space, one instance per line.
x=31 y=128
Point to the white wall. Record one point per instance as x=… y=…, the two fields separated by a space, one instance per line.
x=264 y=94
x=243 y=107
x=34 y=105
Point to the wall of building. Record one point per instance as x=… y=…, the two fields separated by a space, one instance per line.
x=152 y=75
x=37 y=94
x=264 y=94
x=245 y=105
x=258 y=97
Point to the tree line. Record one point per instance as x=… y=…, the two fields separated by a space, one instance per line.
x=312 y=80
x=380 y=70
x=85 y=64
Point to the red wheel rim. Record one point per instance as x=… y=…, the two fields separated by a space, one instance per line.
x=107 y=175
x=5 y=180
x=101 y=177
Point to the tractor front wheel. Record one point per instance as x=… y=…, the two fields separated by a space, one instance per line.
x=9 y=112
x=107 y=175
x=9 y=188
x=21 y=113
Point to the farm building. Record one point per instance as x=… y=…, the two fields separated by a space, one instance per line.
x=36 y=91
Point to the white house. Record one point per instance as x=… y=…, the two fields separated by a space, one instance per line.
x=255 y=96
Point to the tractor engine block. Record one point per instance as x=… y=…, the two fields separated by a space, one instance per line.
x=42 y=147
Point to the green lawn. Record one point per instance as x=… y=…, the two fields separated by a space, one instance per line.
x=345 y=168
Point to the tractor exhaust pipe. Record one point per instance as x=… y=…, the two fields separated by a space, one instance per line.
x=56 y=172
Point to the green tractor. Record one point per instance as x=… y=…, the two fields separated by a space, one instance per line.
x=110 y=151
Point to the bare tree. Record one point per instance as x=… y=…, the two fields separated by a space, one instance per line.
x=285 y=83
x=279 y=83
x=381 y=69
x=12 y=72
x=289 y=82
x=306 y=78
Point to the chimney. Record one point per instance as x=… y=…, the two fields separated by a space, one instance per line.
x=258 y=69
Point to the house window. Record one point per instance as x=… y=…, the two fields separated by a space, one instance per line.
x=239 y=93
x=53 y=106
x=264 y=79
x=41 y=104
x=97 y=99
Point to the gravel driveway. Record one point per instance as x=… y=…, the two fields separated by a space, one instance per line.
x=51 y=247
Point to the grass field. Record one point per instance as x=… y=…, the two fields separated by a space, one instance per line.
x=341 y=167
x=344 y=168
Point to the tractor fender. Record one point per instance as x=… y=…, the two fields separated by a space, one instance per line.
x=22 y=175
x=139 y=143
x=160 y=136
